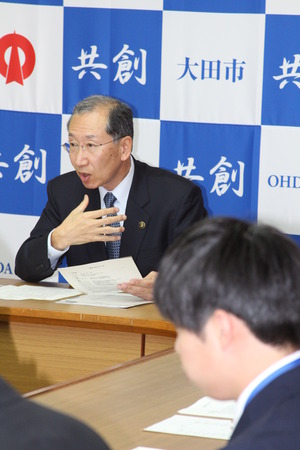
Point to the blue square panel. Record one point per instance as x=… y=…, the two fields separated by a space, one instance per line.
x=222 y=159
x=281 y=85
x=228 y=6
x=29 y=158
x=117 y=54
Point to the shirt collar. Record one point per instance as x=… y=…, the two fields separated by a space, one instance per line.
x=121 y=191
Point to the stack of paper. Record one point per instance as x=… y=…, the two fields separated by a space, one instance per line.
x=93 y=284
x=207 y=418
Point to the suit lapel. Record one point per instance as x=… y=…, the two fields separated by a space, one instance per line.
x=96 y=250
x=137 y=219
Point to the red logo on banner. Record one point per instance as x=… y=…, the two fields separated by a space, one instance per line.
x=13 y=70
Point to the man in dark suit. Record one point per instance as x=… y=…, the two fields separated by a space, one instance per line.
x=154 y=206
x=232 y=288
x=25 y=425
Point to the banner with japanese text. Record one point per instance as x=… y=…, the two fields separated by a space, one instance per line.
x=214 y=86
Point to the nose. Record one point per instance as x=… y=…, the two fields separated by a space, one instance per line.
x=80 y=158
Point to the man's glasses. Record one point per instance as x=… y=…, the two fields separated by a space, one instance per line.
x=73 y=147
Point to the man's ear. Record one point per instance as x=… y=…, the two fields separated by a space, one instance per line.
x=126 y=147
x=223 y=322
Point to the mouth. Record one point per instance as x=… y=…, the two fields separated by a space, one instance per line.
x=84 y=176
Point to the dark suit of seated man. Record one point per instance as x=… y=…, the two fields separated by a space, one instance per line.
x=154 y=206
x=232 y=289
x=25 y=425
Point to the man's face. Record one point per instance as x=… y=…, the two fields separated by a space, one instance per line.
x=199 y=359
x=103 y=167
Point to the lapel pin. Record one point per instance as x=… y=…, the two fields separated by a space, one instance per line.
x=142 y=225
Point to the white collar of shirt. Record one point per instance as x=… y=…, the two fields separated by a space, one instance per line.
x=246 y=393
x=121 y=192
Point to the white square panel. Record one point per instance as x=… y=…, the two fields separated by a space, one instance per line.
x=117 y=4
x=146 y=141
x=282 y=7
x=31 y=58
x=14 y=229
x=279 y=180
x=211 y=70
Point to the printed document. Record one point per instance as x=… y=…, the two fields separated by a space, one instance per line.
x=101 y=277
x=98 y=282
x=93 y=284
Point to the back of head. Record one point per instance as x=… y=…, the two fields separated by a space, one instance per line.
x=119 y=119
x=249 y=270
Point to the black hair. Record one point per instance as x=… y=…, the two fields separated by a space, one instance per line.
x=249 y=270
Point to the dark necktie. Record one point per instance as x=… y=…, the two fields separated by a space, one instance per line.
x=112 y=248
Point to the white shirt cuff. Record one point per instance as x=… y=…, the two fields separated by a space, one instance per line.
x=54 y=254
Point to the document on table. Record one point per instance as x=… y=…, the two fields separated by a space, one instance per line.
x=27 y=292
x=101 y=277
x=146 y=448
x=207 y=406
x=93 y=284
x=98 y=282
x=207 y=418
x=118 y=300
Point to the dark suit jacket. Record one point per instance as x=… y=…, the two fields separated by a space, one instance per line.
x=271 y=421
x=165 y=202
x=25 y=425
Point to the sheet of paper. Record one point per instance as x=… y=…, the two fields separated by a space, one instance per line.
x=194 y=426
x=146 y=448
x=27 y=292
x=118 y=300
x=210 y=407
x=101 y=277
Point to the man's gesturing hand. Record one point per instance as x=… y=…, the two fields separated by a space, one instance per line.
x=81 y=227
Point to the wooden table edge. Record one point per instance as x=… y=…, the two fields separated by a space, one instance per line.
x=56 y=387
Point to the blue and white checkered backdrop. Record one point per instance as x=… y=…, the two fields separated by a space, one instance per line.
x=214 y=86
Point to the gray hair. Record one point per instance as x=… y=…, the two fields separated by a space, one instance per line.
x=120 y=117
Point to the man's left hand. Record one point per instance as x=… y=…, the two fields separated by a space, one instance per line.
x=142 y=288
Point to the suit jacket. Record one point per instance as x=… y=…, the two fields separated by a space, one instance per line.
x=25 y=425
x=271 y=421
x=160 y=206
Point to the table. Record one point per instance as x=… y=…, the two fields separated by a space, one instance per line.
x=121 y=402
x=44 y=343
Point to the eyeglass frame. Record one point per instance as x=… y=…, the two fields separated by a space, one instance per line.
x=78 y=146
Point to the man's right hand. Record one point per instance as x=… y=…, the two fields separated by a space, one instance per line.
x=82 y=227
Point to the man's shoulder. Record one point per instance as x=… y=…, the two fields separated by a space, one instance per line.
x=162 y=175
x=272 y=418
x=153 y=170
x=56 y=430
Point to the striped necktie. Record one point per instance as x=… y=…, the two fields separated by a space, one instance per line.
x=112 y=248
